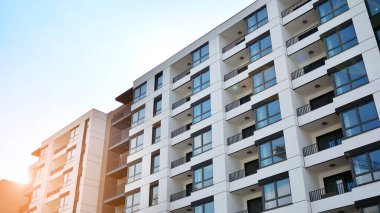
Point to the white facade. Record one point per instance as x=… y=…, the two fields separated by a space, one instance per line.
x=310 y=173
x=66 y=178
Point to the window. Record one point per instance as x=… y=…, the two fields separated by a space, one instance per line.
x=138 y=117
x=350 y=77
x=371 y=209
x=277 y=194
x=330 y=9
x=136 y=143
x=157 y=106
x=264 y=79
x=156 y=133
x=132 y=203
x=201 y=82
x=43 y=153
x=202 y=143
x=360 y=119
x=366 y=167
x=70 y=155
x=63 y=203
x=257 y=20
x=155 y=163
x=200 y=55
x=260 y=48
x=340 y=40
x=36 y=194
x=158 y=80
x=139 y=92
x=153 y=195
x=202 y=177
x=373 y=7
x=268 y=114
x=377 y=32
x=74 y=135
x=134 y=172
x=204 y=208
x=272 y=152
x=201 y=111
x=67 y=179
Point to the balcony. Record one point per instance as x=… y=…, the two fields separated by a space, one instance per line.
x=330 y=192
x=182 y=75
x=316 y=103
x=181 y=102
x=247 y=171
x=241 y=136
x=180 y=195
x=122 y=120
x=181 y=130
x=119 y=142
x=308 y=68
x=236 y=71
x=324 y=142
x=180 y=161
x=53 y=192
x=114 y=195
x=233 y=44
x=303 y=35
x=294 y=7
x=238 y=103
x=118 y=168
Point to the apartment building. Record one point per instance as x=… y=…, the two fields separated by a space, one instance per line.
x=274 y=110
x=66 y=177
x=11 y=197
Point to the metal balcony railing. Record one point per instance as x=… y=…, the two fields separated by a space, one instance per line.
x=238 y=137
x=180 y=130
x=320 y=194
x=233 y=44
x=180 y=76
x=314 y=148
x=244 y=211
x=250 y=170
x=323 y=101
x=122 y=136
x=302 y=35
x=236 y=72
x=117 y=163
x=180 y=102
x=180 y=161
x=294 y=7
x=114 y=191
x=119 y=115
x=239 y=102
x=308 y=68
x=179 y=195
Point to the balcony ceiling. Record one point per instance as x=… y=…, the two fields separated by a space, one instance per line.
x=315 y=86
x=317 y=125
x=298 y=25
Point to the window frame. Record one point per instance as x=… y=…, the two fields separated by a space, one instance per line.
x=204 y=207
x=357 y=114
x=373 y=205
x=203 y=180
x=265 y=84
x=270 y=142
x=267 y=118
x=153 y=201
x=258 y=24
x=201 y=58
x=332 y=11
x=276 y=194
x=340 y=45
x=157 y=105
x=153 y=167
x=370 y=171
x=346 y=69
x=139 y=144
x=202 y=85
x=136 y=174
x=140 y=95
x=140 y=117
x=259 y=53
x=202 y=146
x=203 y=114
x=158 y=80
x=156 y=127
x=135 y=206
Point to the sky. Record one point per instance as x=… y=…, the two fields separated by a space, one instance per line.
x=59 y=59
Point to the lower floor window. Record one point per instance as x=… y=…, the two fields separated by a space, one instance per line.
x=203 y=177
x=277 y=194
x=132 y=203
x=371 y=209
x=204 y=208
x=366 y=167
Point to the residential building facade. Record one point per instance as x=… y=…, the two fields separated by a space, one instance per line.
x=66 y=177
x=274 y=110
x=11 y=196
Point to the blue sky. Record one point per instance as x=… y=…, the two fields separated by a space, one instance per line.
x=59 y=59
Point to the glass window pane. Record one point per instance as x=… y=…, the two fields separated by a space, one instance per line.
x=209 y=207
x=284 y=201
x=262 y=14
x=360 y=164
x=207 y=137
x=204 y=51
x=269 y=192
x=374 y=6
x=197 y=141
x=332 y=42
x=371 y=209
x=269 y=74
x=324 y=9
x=208 y=172
x=265 y=43
x=278 y=146
x=357 y=70
x=375 y=159
x=261 y=113
x=273 y=108
x=198 y=176
x=340 y=78
x=206 y=106
x=198 y=209
x=283 y=187
x=347 y=34
x=367 y=112
x=258 y=79
x=350 y=119
x=265 y=151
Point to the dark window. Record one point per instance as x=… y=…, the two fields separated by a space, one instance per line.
x=155 y=163
x=366 y=167
x=373 y=7
x=153 y=195
x=157 y=106
x=202 y=177
x=256 y=20
x=272 y=152
x=360 y=119
x=139 y=92
x=138 y=117
x=202 y=143
x=377 y=32
x=268 y=114
x=156 y=133
x=338 y=184
x=322 y=100
x=371 y=209
x=158 y=80
x=264 y=80
x=136 y=143
x=277 y=194
x=255 y=205
x=132 y=203
x=204 y=208
x=201 y=81
x=260 y=48
x=340 y=40
x=134 y=172
x=201 y=111
x=251 y=167
x=330 y=139
x=331 y=9
x=200 y=55
x=248 y=132
x=350 y=77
